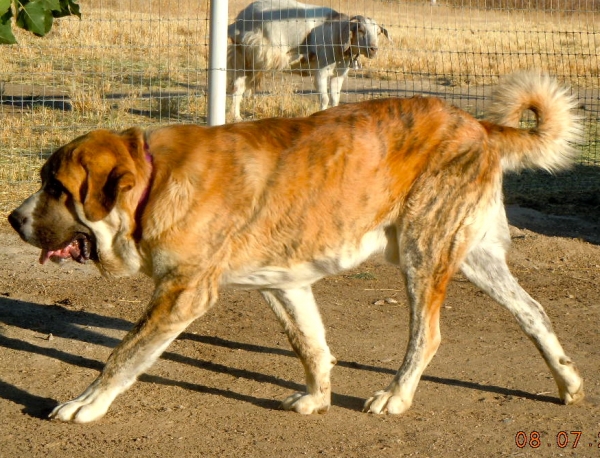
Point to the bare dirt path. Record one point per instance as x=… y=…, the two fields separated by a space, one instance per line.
x=216 y=390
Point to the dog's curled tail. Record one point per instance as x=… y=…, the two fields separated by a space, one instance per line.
x=551 y=143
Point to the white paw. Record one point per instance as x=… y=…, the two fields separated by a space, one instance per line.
x=305 y=404
x=385 y=402
x=90 y=406
x=570 y=383
x=575 y=396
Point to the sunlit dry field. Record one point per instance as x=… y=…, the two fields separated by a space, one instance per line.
x=144 y=62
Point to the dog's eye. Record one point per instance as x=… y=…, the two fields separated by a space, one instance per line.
x=54 y=188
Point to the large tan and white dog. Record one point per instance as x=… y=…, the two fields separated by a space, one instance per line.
x=277 y=204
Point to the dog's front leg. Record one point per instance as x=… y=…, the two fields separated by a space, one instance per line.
x=298 y=313
x=171 y=310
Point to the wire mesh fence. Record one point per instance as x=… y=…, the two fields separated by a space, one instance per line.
x=142 y=62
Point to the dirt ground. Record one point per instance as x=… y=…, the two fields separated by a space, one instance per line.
x=216 y=390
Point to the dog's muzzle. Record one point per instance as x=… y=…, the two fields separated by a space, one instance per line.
x=80 y=247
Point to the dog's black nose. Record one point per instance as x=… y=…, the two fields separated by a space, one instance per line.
x=17 y=220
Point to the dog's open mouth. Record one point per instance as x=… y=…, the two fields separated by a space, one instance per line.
x=80 y=249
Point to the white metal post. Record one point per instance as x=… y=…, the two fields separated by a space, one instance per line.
x=217 y=62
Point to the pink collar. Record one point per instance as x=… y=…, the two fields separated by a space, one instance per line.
x=137 y=234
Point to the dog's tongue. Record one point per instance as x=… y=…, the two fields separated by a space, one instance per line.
x=70 y=251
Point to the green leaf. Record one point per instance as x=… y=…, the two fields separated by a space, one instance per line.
x=51 y=4
x=6 y=35
x=67 y=8
x=4 y=6
x=35 y=17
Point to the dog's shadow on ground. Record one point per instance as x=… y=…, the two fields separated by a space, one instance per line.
x=45 y=319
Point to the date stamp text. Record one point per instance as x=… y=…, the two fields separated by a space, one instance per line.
x=563 y=439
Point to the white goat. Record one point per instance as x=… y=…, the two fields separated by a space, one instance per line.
x=286 y=34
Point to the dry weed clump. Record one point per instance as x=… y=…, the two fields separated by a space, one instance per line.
x=278 y=95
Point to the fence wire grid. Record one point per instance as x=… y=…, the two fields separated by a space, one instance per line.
x=143 y=62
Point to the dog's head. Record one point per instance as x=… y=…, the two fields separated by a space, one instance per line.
x=86 y=206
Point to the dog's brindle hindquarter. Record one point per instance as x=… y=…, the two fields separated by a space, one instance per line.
x=277 y=204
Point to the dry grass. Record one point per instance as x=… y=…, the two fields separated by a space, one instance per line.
x=475 y=46
x=142 y=62
x=560 y=6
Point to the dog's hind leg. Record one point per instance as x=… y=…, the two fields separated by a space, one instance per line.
x=428 y=265
x=425 y=299
x=298 y=313
x=485 y=266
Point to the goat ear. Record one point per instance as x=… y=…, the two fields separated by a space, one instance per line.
x=341 y=34
x=385 y=32
x=358 y=24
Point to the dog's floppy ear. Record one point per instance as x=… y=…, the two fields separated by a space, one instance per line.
x=109 y=173
x=103 y=186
